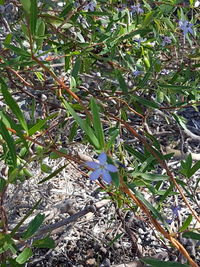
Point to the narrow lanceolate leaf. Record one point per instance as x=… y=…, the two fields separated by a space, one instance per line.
x=151 y=176
x=97 y=123
x=122 y=83
x=76 y=68
x=33 y=15
x=186 y=223
x=18 y=51
x=194 y=169
x=148 y=205
x=40 y=124
x=24 y=256
x=84 y=126
x=158 y=263
x=53 y=174
x=145 y=102
x=13 y=105
x=25 y=217
x=26 y=5
x=10 y=142
x=9 y=123
x=40 y=31
x=46 y=242
x=33 y=226
x=192 y=235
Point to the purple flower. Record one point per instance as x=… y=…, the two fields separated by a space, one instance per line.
x=136 y=9
x=166 y=40
x=175 y=211
x=139 y=40
x=90 y=6
x=185 y=26
x=101 y=169
x=137 y=73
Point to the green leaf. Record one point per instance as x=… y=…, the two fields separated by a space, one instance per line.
x=54 y=155
x=13 y=263
x=11 y=124
x=191 y=235
x=66 y=10
x=156 y=143
x=175 y=87
x=24 y=256
x=122 y=82
x=40 y=27
x=45 y=168
x=158 y=263
x=40 y=31
x=76 y=68
x=73 y=131
x=148 y=205
x=167 y=193
x=10 y=142
x=145 y=102
x=13 y=105
x=112 y=139
x=148 y=18
x=46 y=242
x=186 y=165
x=151 y=176
x=194 y=169
x=40 y=124
x=146 y=77
x=25 y=29
x=25 y=217
x=26 y=5
x=84 y=125
x=2 y=184
x=186 y=223
x=114 y=239
x=53 y=174
x=97 y=123
x=33 y=226
x=141 y=32
x=33 y=16
x=18 y=51
x=135 y=153
x=8 y=39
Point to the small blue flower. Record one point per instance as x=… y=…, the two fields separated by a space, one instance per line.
x=139 y=40
x=102 y=168
x=185 y=26
x=137 y=73
x=166 y=40
x=175 y=213
x=90 y=6
x=175 y=210
x=136 y=9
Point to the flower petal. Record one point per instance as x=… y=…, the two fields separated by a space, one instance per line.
x=92 y=164
x=95 y=174
x=111 y=168
x=106 y=176
x=190 y=30
x=102 y=158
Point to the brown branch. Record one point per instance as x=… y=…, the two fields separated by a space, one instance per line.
x=162 y=162
x=62 y=85
x=175 y=242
